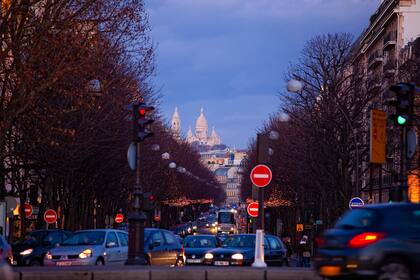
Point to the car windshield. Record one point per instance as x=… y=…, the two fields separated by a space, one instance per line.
x=357 y=218
x=199 y=242
x=34 y=237
x=226 y=218
x=85 y=238
x=240 y=241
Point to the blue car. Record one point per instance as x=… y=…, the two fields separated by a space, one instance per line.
x=196 y=246
x=239 y=250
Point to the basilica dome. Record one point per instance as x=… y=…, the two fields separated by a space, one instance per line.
x=201 y=123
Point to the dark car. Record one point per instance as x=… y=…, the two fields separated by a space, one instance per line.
x=5 y=251
x=380 y=240
x=196 y=246
x=239 y=249
x=32 y=250
x=162 y=247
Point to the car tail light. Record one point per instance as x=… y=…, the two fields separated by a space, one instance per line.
x=183 y=251
x=320 y=241
x=364 y=239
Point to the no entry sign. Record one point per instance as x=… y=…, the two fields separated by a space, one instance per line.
x=253 y=209
x=28 y=210
x=119 y=218
x=50 y=216
x=261 y=175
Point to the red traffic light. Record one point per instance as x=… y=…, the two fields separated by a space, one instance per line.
x=142 y=112
x=151 y=198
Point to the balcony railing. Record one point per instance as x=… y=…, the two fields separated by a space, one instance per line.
x=389 y=68
x=374 y=83
x=375 y=58
x=390 y=40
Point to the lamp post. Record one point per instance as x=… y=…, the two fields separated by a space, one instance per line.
x=296 y=86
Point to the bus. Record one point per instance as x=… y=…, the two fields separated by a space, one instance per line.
x=227 y=221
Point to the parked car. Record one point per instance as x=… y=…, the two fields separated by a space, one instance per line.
x=196 y=246
x=162 y=247
x=90 y=247
x=32 y=249
x=239 y=250
x=5 y=251
x=380 y=240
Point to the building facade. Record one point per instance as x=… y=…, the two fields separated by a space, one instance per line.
x=379 y=53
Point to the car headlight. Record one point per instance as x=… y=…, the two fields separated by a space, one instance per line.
x=208 y=256
x=194 y=227
x=237 y=256
x=231 y=228
x=219 y=228
x=26 y=252
x=48 y=256
x=85 y=254
x=207 y=225
x=213 y=224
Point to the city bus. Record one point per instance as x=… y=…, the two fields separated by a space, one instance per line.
x=227 y=221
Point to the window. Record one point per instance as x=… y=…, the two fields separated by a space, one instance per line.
x=157 y=237
x=123 y=238
x=111 y=240
x=54 y=238
x=274 y=243
x=169 y=238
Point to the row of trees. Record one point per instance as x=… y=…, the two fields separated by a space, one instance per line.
x=67 y=69
x=316 y=162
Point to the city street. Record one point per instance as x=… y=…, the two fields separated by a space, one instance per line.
x=209 y=139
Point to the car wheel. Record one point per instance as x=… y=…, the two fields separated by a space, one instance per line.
x=394 y=269
x=99 y=262
x=35 y=263
x=179 y=262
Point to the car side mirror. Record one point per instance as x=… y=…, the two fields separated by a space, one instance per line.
x=111 y=244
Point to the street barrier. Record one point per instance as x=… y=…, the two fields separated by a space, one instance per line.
x=164 y=273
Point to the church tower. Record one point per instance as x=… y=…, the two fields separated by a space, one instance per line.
x=176 y=124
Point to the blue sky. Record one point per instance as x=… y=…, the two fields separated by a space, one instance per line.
x=230 y=56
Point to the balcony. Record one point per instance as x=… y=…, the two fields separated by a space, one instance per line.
x=390 y=40
x=375 y=59
x=374 y=83
x=390 y=68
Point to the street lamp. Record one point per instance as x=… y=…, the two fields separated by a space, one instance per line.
x=172 y=165
x=155 y=147
x=166 y=156
x=296 y=86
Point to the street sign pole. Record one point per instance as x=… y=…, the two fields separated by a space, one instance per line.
x=262 y=156
x=136 y=217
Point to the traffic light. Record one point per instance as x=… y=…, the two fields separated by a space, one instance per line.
x=141 y=121
x=403 y=103
x=148 y=202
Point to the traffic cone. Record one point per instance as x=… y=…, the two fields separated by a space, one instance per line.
x=259 y=250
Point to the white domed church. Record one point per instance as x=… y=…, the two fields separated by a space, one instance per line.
x=201 y=135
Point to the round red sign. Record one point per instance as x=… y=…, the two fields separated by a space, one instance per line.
x=28 y=210
x=50 y=216
x=261 y=175
x=253 y=209
x=119 y=218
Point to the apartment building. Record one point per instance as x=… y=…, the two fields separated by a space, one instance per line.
x=379 y=53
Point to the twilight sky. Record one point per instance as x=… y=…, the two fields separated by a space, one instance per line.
x=230 y=56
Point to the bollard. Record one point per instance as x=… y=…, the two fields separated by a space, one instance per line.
x=259 y=250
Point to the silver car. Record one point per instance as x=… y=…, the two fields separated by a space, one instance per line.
x=90 y=247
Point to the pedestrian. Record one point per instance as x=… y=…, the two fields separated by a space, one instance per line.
x=288 y=244
x=304 y=252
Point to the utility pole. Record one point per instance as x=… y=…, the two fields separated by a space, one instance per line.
x=136 y=217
